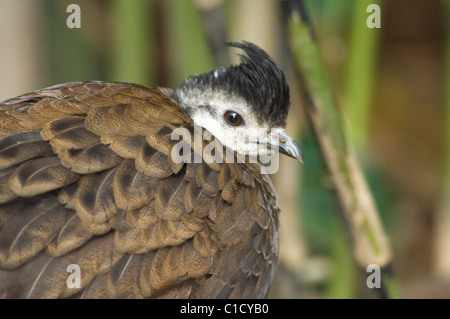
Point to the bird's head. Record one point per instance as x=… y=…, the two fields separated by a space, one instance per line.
x=244 y=106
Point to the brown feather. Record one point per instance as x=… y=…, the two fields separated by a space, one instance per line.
x=40 y=175
x=70 y=236
x=126 y=146
x=21 y=239
x=132 y=189
x=169 y=201
x=94 y=201
x=93 y=159
x=17 y=148
x=104 y=193
x=69 y=133
x=6 y=194
x=153 y=163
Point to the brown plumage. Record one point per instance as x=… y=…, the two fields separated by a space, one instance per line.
x=86 y=178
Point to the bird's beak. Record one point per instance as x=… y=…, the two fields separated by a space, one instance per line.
x=279 y=141
x=288 y=146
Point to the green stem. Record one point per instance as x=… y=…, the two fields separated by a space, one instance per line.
x=188 y=48
x=131 y=53
x=360 y=72
x=447 y=106
x=370 y=243
x=443 y=220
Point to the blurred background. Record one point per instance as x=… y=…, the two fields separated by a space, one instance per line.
x=392 y=84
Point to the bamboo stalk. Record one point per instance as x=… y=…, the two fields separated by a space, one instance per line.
x=370 y=243
x=213 y=20
x=447 y=106
x=187 y=48
x=442 y=262
x=360 y=73
x=131 y=53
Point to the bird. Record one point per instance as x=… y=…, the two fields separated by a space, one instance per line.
x=106 y=190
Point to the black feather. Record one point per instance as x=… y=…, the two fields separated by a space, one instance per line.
x=258 y=79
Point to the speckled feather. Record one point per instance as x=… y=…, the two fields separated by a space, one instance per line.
x=86 y=178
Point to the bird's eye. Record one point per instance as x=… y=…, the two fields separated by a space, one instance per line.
x=232 y=118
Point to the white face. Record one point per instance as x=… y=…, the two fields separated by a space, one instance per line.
x=247 y=138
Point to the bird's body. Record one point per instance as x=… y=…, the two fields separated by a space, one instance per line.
x=88 y=178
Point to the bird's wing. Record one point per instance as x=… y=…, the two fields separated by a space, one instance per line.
x=87 y=179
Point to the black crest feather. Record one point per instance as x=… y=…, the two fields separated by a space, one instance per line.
x=258 y=79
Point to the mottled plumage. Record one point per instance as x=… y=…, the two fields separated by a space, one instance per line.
x=86 y=178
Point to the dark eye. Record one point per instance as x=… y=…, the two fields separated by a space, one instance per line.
x=232 y=118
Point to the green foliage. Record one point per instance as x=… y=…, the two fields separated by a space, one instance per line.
x=188 y=50
x=360 y=72
x=69 y=56
x=131 y=36
x=447 y=103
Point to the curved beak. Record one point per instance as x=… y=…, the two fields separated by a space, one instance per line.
x=288 y=146
x=279 y=141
